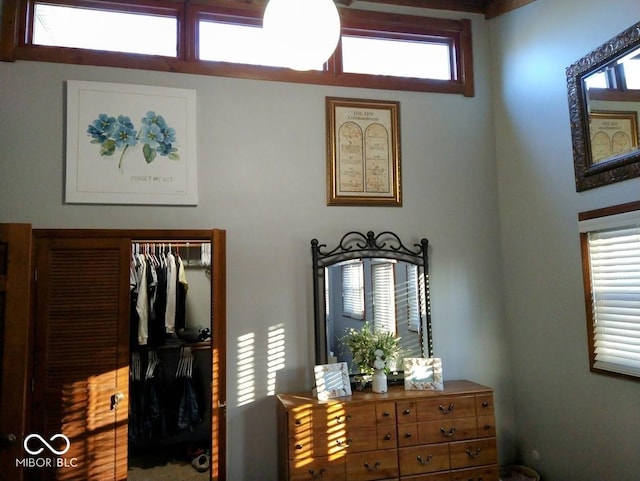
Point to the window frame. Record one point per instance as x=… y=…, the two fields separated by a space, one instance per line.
x=587 y=284
x=16 y=36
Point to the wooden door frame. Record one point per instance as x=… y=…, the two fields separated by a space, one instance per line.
x=15 y=284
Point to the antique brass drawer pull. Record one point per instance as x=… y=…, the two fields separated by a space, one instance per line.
x=343 y=419
x=407 y=435
x=298 y=446
x=449 y=433
x=425 y=461
x=444 y=410
x=347 y=442
x=472 y=454
x=374 y=467
x=406 y=412
x=387 y=437
x=315 y=475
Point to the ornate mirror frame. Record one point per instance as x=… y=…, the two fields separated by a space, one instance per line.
x=590 y=174
x=356 y=245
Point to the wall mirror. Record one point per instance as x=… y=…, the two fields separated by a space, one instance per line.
x=604 y=105
x=375 y=278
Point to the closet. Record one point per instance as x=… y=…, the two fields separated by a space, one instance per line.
x=116 y=397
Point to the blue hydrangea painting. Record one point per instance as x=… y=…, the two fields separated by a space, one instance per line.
x=118 y=134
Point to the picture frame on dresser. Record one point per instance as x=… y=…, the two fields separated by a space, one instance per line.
x=423 y=374
x=332 y=380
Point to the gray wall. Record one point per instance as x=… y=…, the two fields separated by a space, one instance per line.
x=584 y=426
x=261 y=148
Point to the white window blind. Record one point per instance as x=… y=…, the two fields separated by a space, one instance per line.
x=384 y=303
x=353 y=290
x=413 y=298
x=614 y=258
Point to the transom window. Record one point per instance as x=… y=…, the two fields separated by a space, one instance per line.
x=225 y=37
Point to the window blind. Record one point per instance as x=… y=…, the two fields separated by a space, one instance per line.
x=384 y=304
x=614 y=257
x=353 y=290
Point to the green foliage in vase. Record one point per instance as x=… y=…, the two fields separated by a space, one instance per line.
x=371 y=349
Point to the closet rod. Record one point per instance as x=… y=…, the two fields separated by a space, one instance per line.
x=177 y=243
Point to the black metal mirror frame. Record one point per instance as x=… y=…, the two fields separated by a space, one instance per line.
x=356 y=245
x=626 y=166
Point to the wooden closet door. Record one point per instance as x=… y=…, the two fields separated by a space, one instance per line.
x=15 y=280
x=81 y=367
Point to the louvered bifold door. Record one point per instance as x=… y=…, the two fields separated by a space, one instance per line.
x=81 y=366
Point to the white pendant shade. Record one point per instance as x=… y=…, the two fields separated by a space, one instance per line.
x=304 y=32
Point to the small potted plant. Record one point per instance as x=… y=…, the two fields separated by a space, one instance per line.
x=373 y=351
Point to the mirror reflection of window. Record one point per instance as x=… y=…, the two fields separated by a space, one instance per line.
x=384 y=303
x=353 y=289
x=413 y=299
x=632 y=71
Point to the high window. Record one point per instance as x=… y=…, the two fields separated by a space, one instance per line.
x=226 y=38
x=610 y=241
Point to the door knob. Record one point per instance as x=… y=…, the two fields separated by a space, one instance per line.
x=7 y=440
x=116 y=399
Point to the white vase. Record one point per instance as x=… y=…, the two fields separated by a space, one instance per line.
x=379 y=381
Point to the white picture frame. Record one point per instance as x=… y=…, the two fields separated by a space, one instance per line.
x=332 y=380
x=149 y=158
x=423 y=374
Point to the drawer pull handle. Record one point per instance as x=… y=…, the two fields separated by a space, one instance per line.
x=449 y=433
x=298 y=446
x=387 y=437
x=485 y=404
x=406 y=412
x=339 y=418
x=374 y=467
x=407 y=435
x=347 y=442
x=425 y=461
x=447 y=410
x=472 y=454
x=487 y=426
x=298 y=422
x=320 y=473
x=386 y=414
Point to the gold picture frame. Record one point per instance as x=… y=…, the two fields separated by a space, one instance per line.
x=363 y=152
x=613 y=133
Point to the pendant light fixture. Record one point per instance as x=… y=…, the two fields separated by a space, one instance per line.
x=304 y=32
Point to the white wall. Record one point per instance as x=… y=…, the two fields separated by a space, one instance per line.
x=262 y=178
x=585 y=426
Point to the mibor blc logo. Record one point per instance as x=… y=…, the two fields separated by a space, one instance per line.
x=44 y=454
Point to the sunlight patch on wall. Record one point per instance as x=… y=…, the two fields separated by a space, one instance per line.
x=246 y=369
x=275 y=356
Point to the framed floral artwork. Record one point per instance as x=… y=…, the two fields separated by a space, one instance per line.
x=130 y=144
x=332 y=380
x=423 y=374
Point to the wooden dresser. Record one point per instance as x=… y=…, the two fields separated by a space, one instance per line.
x=444 y=435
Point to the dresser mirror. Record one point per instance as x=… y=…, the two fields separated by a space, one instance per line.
x=371 y=278
x=604 y=105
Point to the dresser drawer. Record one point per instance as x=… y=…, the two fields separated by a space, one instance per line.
x=449 y=407
x=386 y=414
x=429 y=477
x=423 y=459
x=486 y=426
x=328 y=468
x=465 y=454
x=406 y=412
x=319 y=419
x=484 y=404
x=408 y=435
x=448 y=429
x=372 y=465
x=485 y=473
x=317 y=443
